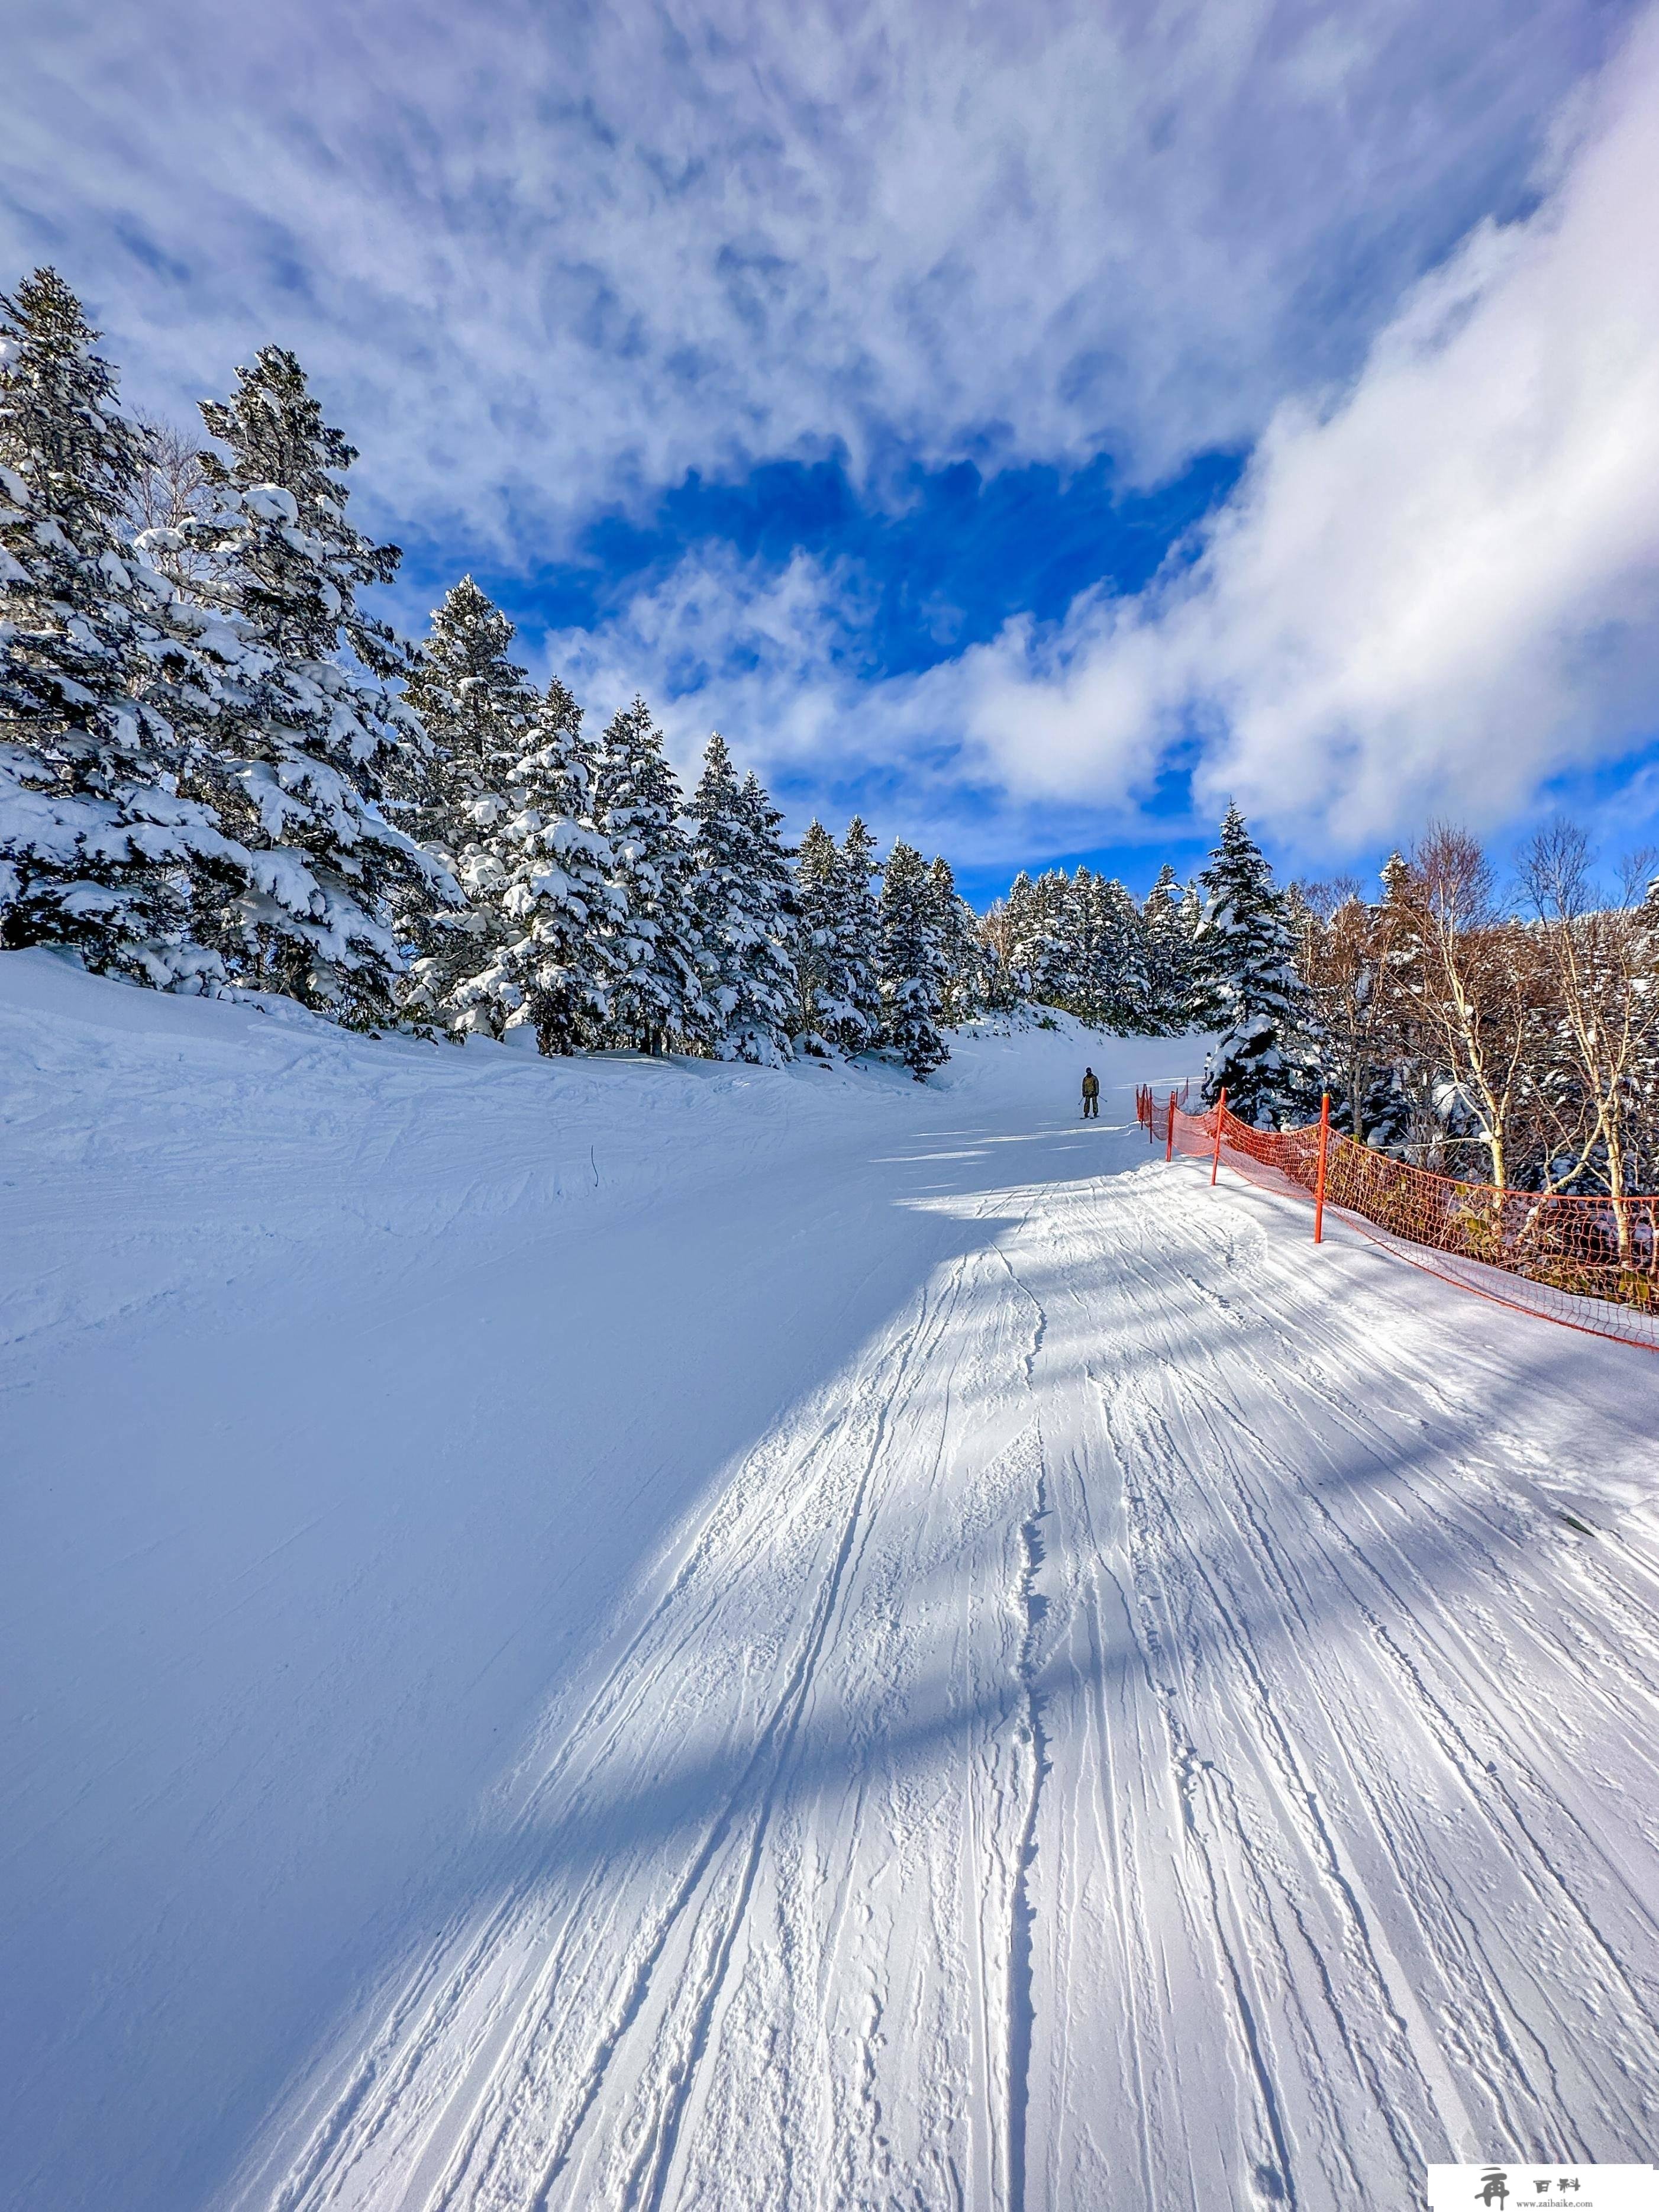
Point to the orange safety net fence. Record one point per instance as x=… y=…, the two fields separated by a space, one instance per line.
x=1590 y=1263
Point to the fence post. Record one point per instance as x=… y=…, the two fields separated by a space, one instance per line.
x=1324 y=1147
x=1221 y=1116
x=1169 y=1147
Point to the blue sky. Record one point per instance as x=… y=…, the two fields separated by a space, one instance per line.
x=951 y=552
x=944 y=559
x=1028 y=426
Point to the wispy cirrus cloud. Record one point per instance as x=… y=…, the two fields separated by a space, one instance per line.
x=547 y=257
x=547 y=265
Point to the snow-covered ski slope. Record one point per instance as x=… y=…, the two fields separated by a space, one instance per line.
x=638 y=1636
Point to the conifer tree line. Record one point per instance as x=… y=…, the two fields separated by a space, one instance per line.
x=1508 y=1036
x=217 y=769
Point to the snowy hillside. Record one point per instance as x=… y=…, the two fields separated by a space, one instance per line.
x=624 y=1634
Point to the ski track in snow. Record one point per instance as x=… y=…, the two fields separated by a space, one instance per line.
x=1151 y=1716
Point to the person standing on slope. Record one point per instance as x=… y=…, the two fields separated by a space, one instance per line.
x=1090 y=1094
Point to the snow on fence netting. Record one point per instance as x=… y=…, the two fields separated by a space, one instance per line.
x=1591 y=1263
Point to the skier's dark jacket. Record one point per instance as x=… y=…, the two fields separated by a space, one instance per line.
x=1091 y=1086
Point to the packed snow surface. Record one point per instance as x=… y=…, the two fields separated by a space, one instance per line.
x=660 y=1635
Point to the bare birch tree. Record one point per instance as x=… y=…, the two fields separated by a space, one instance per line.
x=170 y=492
x=1478 y=991
x=1599 y=961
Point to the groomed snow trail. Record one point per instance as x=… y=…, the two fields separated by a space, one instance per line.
x=1147 y=1716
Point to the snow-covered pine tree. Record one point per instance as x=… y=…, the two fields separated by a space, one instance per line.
x=1122 y=938
x=105 y=846
x=477 y=706
x=545 y=870
x=1303 y=921
x=480 y=712
x=1083 y=908
x=651 y=942
x=742 y=903
x=1023 y=930
x=858 y=938
x=962 y=997
x=1060 y=942
x=1060 y=937
x=1169 y=955
x=837 y=942
x=775 y=920
x=1203 y=1008
x=912 y=968
x=316 y=721
x=820 y=992
x=718 y=892
x=1246 y=958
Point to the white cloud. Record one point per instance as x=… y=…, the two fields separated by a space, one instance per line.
x=771 y=658
x=724 y=642
x=542 y=259
x=1429 y=593
x=1432 y=592
x=537 y=256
